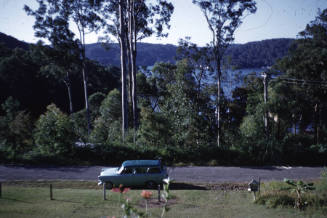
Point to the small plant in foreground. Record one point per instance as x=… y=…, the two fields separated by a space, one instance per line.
x=165 y=195
x=130 y=211
x=322 y=185
x=274 y=200
x=166 y=184
x=299 y=187
x=146 y=195
x=121 y=189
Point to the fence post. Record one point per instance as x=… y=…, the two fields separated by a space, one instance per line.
x=158 y=192
x=104 y=191
x=51 y=196
x=259 y=185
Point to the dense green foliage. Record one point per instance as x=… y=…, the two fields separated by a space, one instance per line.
x=29 y=77
x=177 y=107
x=54 y=133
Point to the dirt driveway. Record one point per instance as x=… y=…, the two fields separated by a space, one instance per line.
x=180 y=174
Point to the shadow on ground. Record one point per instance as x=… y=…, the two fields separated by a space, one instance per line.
x=186 y=186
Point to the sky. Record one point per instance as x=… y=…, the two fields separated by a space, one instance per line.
x=273 y=19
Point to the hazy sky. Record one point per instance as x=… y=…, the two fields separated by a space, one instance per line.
x=273 y=19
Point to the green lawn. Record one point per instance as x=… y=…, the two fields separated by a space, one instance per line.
x=84 y=200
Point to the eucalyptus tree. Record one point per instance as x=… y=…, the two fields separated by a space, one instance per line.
x=131 y=21
x=199 y=61
x=305 y=68
x=223 y=18
x=144 y=19
x=114 y=13
x=59 y=14
x=58 y=62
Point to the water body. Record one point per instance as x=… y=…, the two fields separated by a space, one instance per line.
x=231 y=79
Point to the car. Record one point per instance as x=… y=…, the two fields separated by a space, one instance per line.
x=149 y=173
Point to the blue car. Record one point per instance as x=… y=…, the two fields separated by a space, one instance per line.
x=147 y=173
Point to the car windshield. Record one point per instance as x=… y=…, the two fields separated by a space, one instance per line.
x=120 y=169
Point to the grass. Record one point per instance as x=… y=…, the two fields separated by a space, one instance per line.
x=85 y=199
x=277 y=195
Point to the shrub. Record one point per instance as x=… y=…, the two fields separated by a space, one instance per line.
x=80 y=125
x=322 y=184
x=107 y=126
x=54 y=133
x=275 y=199
x=15 y=131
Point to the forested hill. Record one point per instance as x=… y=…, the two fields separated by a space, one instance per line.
x=249 y=55
x=147 y=53
x=11 y=42
x=259 y=53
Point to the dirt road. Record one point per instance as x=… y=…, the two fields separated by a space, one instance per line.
x=180 y=174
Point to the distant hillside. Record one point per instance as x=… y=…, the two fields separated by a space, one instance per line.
x=248 y=55
x=147 y=54
x=12 y=42
x=259 y=53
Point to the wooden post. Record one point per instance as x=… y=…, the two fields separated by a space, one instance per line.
x=254 y=197
x=158 y=192
x=259 y=186
x=104 y=191
x=265 y=97
x=51 y=196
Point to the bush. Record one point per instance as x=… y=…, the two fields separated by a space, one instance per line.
x=322 y=184
x=16 y=129
x=274 y=200
x=80 y=125
x=107 y=126
x=54 y=133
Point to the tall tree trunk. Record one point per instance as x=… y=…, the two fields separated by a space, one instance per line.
x=218 y=102
x=294 y=123
x=316 y=123
x=132 y=49
x=85 y=79
x=265 y=97
x=68 y=85
x=123 y=69
x=86 y=100
x=129 y=74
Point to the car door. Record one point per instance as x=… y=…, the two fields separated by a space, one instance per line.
x=154 y=174
x=140 y=176
x=126 y=176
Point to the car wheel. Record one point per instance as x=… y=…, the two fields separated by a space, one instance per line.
x=151 y=184
x=109 y=185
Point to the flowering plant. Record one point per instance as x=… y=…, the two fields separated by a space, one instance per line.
x=121 y=189
x=146 y=194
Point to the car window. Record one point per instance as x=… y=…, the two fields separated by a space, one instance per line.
x=140 y=170
x=127 y=171
x=154 y=170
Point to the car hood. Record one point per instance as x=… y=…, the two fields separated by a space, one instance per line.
x=109 y=171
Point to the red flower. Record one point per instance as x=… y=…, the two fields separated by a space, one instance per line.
x=121 y=189
x=146 y=194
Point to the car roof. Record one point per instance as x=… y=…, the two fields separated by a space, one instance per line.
x=130 y=163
